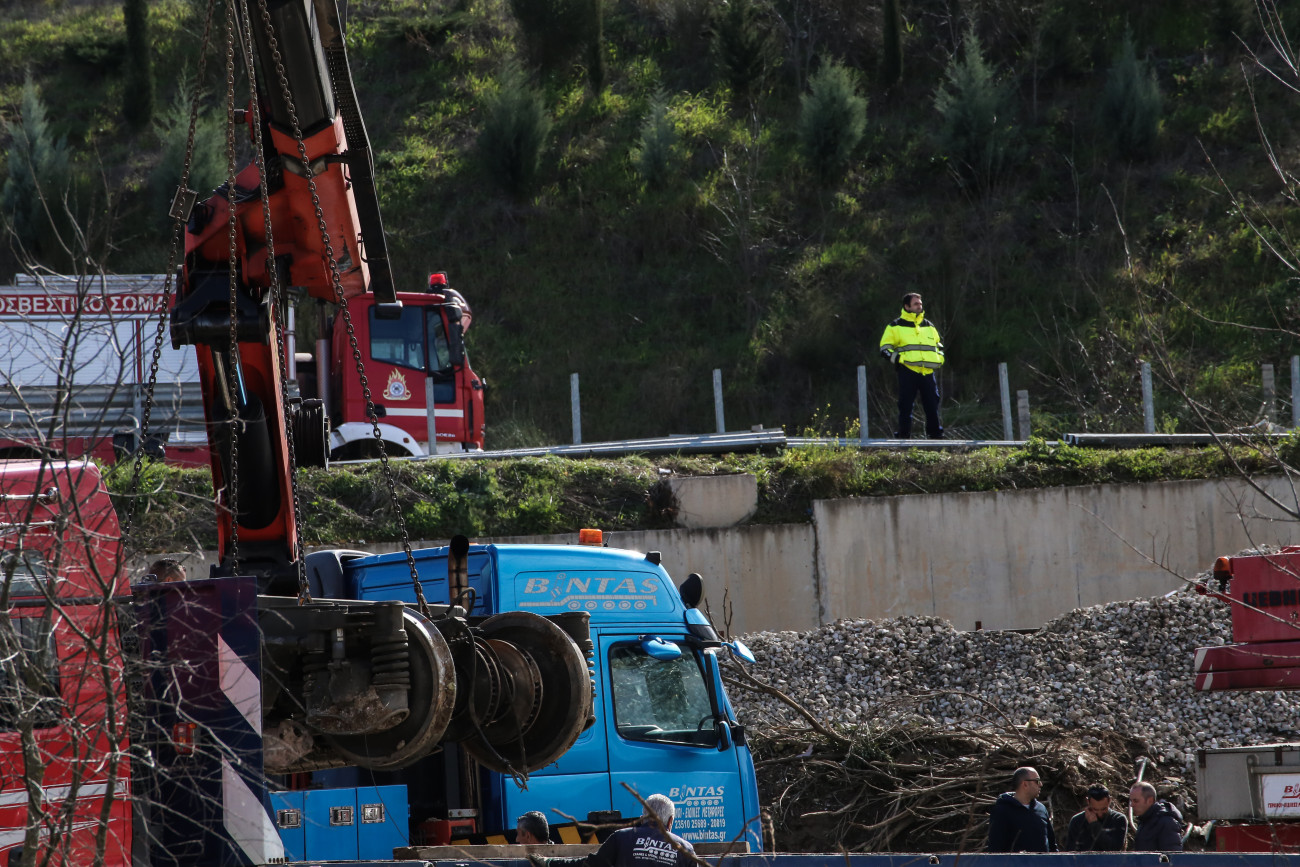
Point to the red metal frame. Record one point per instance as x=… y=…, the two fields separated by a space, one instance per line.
x=74 y=756
x=1264 y=592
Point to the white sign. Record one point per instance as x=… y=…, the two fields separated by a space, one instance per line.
x=1281 y=794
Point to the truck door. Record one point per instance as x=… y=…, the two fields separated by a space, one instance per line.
x=661 y=723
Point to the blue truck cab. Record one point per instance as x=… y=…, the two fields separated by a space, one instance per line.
x=663 y=723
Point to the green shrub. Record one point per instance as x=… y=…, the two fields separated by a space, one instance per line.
x=33 y=199
x=514 y=132
x=654 y=157
x=832 y=121
x=976 y=133
x=744 y=49
x=1130 y=108
x=102 y=51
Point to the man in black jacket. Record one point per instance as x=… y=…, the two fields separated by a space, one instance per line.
x=648 y=843
x=1159 y=824
x=1019 y=821
x=1098 y=828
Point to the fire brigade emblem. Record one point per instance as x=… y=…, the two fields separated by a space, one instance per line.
x=396 y=388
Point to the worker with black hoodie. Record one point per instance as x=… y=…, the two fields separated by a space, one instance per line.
x=1159 y=824
x=1019 y=821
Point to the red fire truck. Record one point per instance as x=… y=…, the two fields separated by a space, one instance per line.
x=78 y=354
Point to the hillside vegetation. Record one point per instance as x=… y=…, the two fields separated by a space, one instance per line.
x=1074 y=185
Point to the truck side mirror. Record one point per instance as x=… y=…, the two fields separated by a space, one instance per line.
x=741 y=651
x=656 y=648
x=724 y=736
x=388 y=311
x=455 y=337
x=692 y=590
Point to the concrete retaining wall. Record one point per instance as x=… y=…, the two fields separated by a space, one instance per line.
x=1007 y=559
x=1016 y=559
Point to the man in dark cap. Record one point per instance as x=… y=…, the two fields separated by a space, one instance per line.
x=1098 y=828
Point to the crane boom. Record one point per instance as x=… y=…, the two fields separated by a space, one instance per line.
x=325 y=238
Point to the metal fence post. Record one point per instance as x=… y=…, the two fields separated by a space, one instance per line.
x=577 y=409
x=717 y=400
x=431 y=417
x=862 y=404
x=1022 y=404
x=1007 y=433
x=1148 y=403
x=1270 y=394
x=1295 y=391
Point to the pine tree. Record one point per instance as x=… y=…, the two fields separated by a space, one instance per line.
x=33 y=198
x=137 y=96
x=514 y=132
x=891 y=49
x=832 y=121
x=1131 y=107
x=596 y=72
x=976 y=132
x=557 y=31
x=744 y=48
x=654 y=156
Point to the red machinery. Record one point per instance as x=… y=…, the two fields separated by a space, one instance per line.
x=1264 y=591
x=1253 y=792
x=305 y=215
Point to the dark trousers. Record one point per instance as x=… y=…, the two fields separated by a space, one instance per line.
x=910 y=384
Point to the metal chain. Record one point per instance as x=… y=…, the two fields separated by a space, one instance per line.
x=232 y=483
x=277 y=299
x=343 y=308
x=178 y=226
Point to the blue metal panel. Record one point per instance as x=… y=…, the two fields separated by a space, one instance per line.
x=286 y=809
x=388 y=576
x=330 y=819
x=545 y=579
x=585 y=792
x=383 y=821
x=611 y=584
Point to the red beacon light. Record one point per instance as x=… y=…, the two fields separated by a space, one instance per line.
x=1223 y=572
x=437 y=281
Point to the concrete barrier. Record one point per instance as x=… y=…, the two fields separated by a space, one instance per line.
x=1004 y=560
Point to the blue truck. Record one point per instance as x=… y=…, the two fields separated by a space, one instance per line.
x=662 y=719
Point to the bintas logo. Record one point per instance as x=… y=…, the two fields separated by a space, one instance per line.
x=396 y=388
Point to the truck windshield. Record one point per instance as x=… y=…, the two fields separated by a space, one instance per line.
x=661 y=700
x=398 y=341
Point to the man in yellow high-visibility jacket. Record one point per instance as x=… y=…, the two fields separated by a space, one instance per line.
x=912 y=344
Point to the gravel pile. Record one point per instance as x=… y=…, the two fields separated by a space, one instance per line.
x=1122 y=666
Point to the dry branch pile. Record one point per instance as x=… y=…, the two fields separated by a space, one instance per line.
x=898 y=734
x=911 y=788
